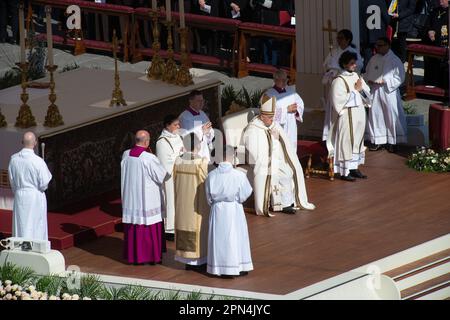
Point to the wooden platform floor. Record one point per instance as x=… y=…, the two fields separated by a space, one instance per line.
x=354 y=224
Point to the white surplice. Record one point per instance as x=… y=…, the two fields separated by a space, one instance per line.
x=29 y=178
x=387 y=122
x=228 y=240
x=288 y=121
x=346 y=139
x=278 y=175
x=141 y=185
x=192 y=121
x=168 y=147
x=332 y=69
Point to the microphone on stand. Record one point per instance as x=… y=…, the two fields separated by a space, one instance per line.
x=43 y=150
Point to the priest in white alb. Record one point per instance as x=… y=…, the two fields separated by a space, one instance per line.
x=29 y=178
x=290 y=106
x=168 y=147
x=142 y=178
x=331 y=67
x=228 y=240
x=195 y=120
x=278 y=182
x=385 y=74
x=349 y=95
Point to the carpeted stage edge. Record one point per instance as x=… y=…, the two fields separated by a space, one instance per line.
x=71 y=227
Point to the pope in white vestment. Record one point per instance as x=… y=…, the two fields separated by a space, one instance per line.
x=278 y=176
x=168 y=147
x=228 y=240
x=385 y=74
x=285 y=115
x=346 y=139
x=332 y=68
x=29 y=178
x=194 y=119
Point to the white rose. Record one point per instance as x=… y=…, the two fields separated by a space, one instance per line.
x=52 y=298
x=75 y=297
x=65 y=295
x=2 y=292
x=14 y=298
x=8 y=282
x=26 y=298
x=14 y=287
x=8 y=296
x=31 y=288
x=18 y=293
x=8 y=288
x=433 y=161
x=87 y=298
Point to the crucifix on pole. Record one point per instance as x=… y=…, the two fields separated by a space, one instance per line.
x=330 y=31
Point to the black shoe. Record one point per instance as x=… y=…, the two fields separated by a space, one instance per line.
x=391 y=148
x=226 y=276
x=348 y=178
x=357 y=174
x=289 y=210
x=243 y=273
x=195 y=268
x=375 y=147
x=170 y=236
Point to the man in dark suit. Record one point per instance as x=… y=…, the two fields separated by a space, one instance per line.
x=9 y=9
x=405 y=15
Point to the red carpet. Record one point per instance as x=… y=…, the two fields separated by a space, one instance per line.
x=68 y=229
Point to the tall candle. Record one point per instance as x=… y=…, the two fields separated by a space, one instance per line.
x=22 y=33
x=48 y=18
x=168 y=11
x=182 y=23
x=154 y=5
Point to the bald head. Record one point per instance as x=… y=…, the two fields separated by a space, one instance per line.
x=142 y=138
x=29 y=140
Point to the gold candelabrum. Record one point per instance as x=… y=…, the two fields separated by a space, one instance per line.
x=25 y=119
x=156 y=68
x=184 y=77
x=170 y=71
x=53 y=117
x=117 y=94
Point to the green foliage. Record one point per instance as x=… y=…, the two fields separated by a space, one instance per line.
x=242 y=97
x=409 y=108
x=428 y=160
x=69 y=67
x=131 y=292
x=11 y=78
x=228 y=95
x=51 y=284
x=18 y=275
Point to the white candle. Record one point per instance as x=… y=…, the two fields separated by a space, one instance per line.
x=48 y=18
x=154 y=5
x=22 y=34
x=181 y=4
x=168 y=11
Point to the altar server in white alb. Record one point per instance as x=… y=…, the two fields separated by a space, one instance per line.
x=195 y=120
x=142 y=178
x=332 y=69
x=349 y=95
x=278 y=181
x=290 y=106
x=385 y=74
x=168 y=147
x=228 y=241
x=29 y=178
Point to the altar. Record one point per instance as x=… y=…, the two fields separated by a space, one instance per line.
x=84 y=154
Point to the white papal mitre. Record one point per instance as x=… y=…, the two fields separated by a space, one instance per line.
x=268 y=105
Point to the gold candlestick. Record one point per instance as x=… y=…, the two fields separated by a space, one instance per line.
x=170 y=72
x=156 y=68
x=53 y=118
x=25 y=119
x=184 y=77
x=117 y=95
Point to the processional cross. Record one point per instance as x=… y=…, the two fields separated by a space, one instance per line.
x=330 y=31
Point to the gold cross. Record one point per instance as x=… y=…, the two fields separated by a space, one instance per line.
x=330 y=31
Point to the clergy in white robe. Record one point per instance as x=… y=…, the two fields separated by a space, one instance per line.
x=289 y=108
x=142 y=178
x=29 y=178
x=346 y=139
x=168 y=147
x=278 y=176
x=191 y=207
x=385 y=74
x=195 y=120
x=332 y=68
x=228 y=240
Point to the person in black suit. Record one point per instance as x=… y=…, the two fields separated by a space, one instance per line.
x=368 y=37
x=9 y=9
x=405 y=16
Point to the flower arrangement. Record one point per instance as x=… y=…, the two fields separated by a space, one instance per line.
x=428 y=160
